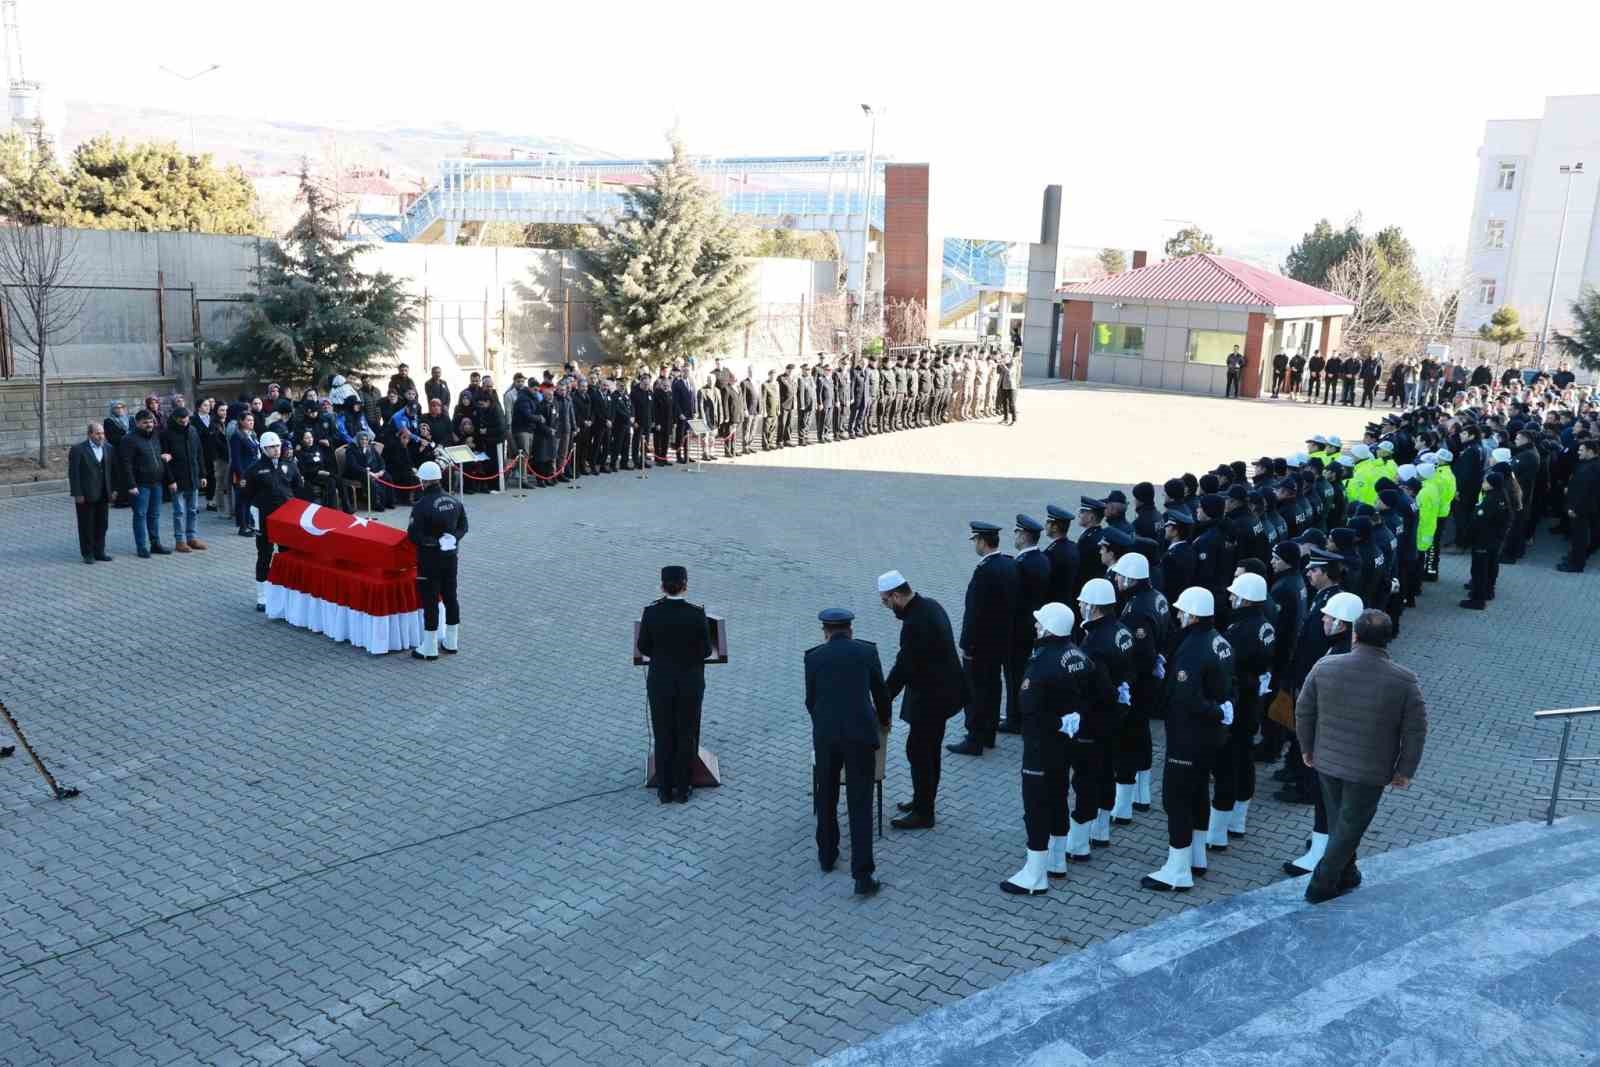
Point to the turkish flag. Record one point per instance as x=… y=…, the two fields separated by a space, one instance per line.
x=330 y=536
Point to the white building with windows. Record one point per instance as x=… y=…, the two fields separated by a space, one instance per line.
x=1520 y=193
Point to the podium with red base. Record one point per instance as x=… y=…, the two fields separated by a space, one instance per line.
x=706 y=771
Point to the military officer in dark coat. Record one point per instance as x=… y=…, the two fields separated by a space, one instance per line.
x=1091 y=516
x=675 y=637
x=987 y=625
x=1178 y=564
x=928 y=670
x=1033 y=584
x=1063 y=555
x=848 y=702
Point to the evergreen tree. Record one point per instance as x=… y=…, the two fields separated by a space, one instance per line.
x=32 y=188
x=1189 y=241
x=670 y=279
x=313 y=312
x=1112 y=260
x=1318 y=251
x=1583 y=343
x=1503 y=328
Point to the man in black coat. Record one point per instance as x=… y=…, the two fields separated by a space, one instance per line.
x=190 y=473
x=786 y=398
x=89 y=466
x=1063 y=555
x=928 y=670
x=675 y=638
x=144 y=471
x=827 y=429
x=1583 y=506
x=684 y=408
x=849 y=703
x=987 y=625
x=1033 y=585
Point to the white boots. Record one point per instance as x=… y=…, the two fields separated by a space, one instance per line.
x=1308 y=863
x=1078 y=841
x=450 y=642
x=1032 y=879
x=1141 y=791
x=1174 y=877
x=1197 y=853
x=1241 y=811
x=1217 y=832
x=1100 y=829
x=261 y=596
x=1056 y=867
x=1122 y=808
x=429 y=648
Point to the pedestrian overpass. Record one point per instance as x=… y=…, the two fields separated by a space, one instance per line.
x=814 y=193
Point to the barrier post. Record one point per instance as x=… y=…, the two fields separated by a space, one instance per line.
x=369 y=494
x=500 y=462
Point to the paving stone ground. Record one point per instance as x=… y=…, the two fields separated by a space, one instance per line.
x=287 y=851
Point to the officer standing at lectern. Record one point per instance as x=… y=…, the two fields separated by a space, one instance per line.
x=438 y=523
x=675 y=638
x=849 y=703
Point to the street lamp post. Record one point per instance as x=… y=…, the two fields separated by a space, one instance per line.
x=1571 y=172
x=189 y=100
x=866 y=212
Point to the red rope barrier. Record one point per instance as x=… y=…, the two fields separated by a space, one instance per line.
x=527 y=466
x=490 y=477
x=392 y=485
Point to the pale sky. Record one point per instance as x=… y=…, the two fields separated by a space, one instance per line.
x=1252 y=119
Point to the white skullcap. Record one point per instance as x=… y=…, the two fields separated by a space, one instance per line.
x=889 y=581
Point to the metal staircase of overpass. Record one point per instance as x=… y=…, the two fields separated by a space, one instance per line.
x=970 y=267
x=816 y=193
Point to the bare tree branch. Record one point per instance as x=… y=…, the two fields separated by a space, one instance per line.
x=39 y=279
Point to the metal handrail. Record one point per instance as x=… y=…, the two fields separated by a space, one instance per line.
x=1561 y=759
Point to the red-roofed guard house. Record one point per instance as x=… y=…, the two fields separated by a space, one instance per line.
x=1172 y=325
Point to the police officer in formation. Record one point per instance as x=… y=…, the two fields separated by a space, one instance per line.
x=273 y=481
x=987 y=636
x=438 y=523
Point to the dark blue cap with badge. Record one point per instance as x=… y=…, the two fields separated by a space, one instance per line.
x=1059 y=514
x=1089 y=503
x=1030 y=524
x=1318 y=557
x=1116 y=496
x=835 y=616
x=1117 y=538
x=1179 y=516
x=980 y=527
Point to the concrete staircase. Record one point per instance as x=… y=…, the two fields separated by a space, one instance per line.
x=1483 y=948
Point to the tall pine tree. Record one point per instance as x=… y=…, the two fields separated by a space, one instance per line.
x=671 y=279
x=314 y=312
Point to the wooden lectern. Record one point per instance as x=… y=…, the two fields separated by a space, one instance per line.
x=706 y=770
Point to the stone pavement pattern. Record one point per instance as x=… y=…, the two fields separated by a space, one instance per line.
x=288 y=851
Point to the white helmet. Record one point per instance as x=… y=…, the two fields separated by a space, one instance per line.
x=1196 y=601
x=1500 y=455
x=1250 y=587
x=1346 y=607
x=270 y=440
x=1407 y=472
x=1056 y=619
x=1361 y=451
x=429 y=472
x=1444 y=455
x=1132 y=565
x=1335 y=441
x=1097 y=592
x=1425 y=470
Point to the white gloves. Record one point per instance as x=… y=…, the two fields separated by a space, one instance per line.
x=1125 y=694
x=1161 y=667
x=1227 y=712
x=1070 y=723
x=447 y=542
x=1394 y=585
x=1266 y=684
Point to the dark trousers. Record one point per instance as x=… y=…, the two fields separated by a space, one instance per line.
x=1351 y=806
x=675 y=724
x=1277 y=382
x=858 y=762
x=983 y=714
x=1330 y=391
x=1131 y=748
x=1313 y=386
x=1008 y=405
x=1232 y=387
x=785 y=427
x=92 y=519
x=1185 y=798
x=1015 y=667
x=1484 y=561
x=680 y=437
x=858 y=415
x=1579 y=532
x=1235 y=774
x=1086 y=761
x=1044 y=784
x=661 y=433
x=807 y=424
x=436 y=581
x=264 y=550
x=924 y=749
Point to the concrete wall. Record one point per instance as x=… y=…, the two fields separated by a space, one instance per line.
x=73 y=403
x=1165 y=363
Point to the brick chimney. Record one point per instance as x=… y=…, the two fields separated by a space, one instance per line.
x=1139 y=257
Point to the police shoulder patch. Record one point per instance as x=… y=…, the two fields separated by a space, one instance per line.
x=1025 y=682
x=1183 y=676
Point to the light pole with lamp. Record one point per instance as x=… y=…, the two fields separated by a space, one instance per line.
x=866 y=214
x=189 y=99
x=1571 y=171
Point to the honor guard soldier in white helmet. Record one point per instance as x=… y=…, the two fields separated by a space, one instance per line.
x=271 y=483
x=438 y=523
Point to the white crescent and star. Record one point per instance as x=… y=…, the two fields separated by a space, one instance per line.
x=307 y=520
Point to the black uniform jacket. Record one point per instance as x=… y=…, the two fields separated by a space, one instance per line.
x=845 y=692
x=927 y=668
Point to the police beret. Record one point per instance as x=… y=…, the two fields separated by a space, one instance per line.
x=1029 y=523
x=1313 y=536
x=979 y=527
x=1060 y=514
x=1238 y=470
x=1280 y=466
x=1179 y=517
x=1288 y=551
x=1116 y=496
x=1145 y=493
x=1390 y=498
x=1089 y=503
x=1238 y=492
x=1211 y=504
x=1111 y=535
x=1361 y=524
x=1173 y=487
x=673 y=575
x=1208 y=484
x=835 y=616
x=1343 y=536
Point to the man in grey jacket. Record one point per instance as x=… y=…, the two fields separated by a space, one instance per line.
x=1361 y=722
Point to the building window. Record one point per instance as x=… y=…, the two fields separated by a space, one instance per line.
x=1508 y=177
x=1494 y=234
x=1486 y=291
x=1118 y=340
x=1213 y=346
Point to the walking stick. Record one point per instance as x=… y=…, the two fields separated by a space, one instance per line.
x=60 y=792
